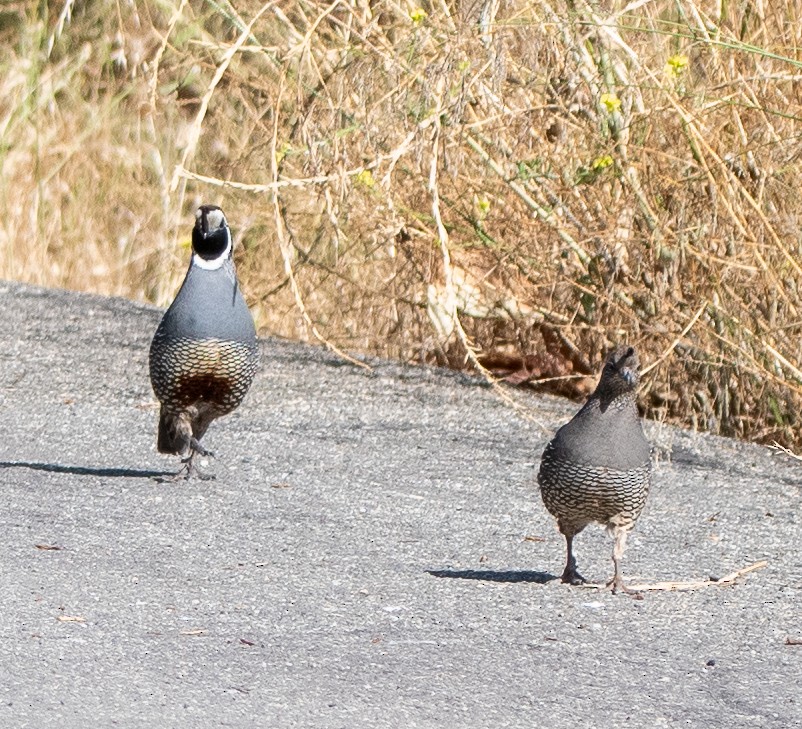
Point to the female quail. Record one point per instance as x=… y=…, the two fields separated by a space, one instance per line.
x=597 y=468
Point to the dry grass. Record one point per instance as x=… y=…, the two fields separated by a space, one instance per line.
x=511 y=185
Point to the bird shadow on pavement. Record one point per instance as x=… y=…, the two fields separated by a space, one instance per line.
x=540 y=578
x=85 y=470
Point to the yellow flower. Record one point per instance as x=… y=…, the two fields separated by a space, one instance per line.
x=365 y=179
x=610 y=102
x=418 y=15
x=676 y=65
x=283 y=151
x=482 y=206
x=601 y=162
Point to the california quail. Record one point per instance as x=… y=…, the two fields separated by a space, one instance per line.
x=597 y=468
x=204 y=354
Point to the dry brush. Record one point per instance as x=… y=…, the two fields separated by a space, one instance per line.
x=506 y=185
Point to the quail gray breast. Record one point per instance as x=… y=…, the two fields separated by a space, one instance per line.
x=597 y=468
x=204 y=355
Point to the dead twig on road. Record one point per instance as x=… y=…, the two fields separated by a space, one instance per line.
x=725 y=581
x=671 y=586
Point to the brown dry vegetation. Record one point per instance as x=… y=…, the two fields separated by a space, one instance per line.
x=517 y=183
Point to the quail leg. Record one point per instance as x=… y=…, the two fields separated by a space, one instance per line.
x=195 y=449
x=188 y=443
x=616 y=584
x=191 y=468
x=570 y=574
x=187 y=471
x=198 y=448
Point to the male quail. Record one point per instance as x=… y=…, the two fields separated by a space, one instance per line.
x=204 y=354
x=597 y=468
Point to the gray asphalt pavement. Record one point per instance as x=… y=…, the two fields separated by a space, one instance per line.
x=373 y=553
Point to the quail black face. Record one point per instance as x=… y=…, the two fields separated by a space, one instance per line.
x=211 y=238
x=621 y=367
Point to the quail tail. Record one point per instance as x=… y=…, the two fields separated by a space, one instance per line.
x=168 y=439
